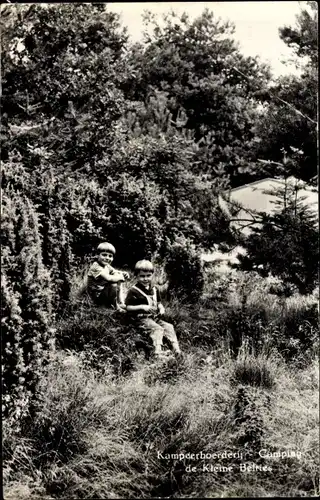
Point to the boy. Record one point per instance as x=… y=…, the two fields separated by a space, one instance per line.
x=144 y=306
x=104 y=282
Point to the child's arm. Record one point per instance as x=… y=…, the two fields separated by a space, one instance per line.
x=112 y=276
x=161 y=309
x=125 y=274
x=133 y=303
x=140 y=307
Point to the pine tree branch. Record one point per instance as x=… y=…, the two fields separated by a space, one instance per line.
x=281 y=100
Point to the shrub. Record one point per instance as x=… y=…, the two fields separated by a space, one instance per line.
x=248 y=419
x=184 y=270
x=256 y=371
x=57 y=255
x=27 y=339
x=290 y=235
x=250 y=313
x=295 y=333
x=66 y=406
x=133 y=227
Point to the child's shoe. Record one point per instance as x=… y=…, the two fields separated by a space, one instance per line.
x=121 y=308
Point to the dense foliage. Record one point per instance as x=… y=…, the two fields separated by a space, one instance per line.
x=291 y=110
x=184 y=270
x=134 y=144
x=286 y=242
x=199 y=66
x=26 y=305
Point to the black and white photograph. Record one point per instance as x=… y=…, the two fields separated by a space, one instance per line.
x=159 y=250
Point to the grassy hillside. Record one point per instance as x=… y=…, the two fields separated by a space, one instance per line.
x=99 y=436
x=111 y=424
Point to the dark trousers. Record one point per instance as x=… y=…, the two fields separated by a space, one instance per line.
x=108 y=297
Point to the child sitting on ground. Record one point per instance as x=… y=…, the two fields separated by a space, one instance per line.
x=144 y=307
x=104 y=282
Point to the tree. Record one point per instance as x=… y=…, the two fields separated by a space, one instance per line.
x=291 y=115
x=303 y=38
x=197 y=64
x=61 y=82
x=184 y=270
x=153 y=147
x=285 y=243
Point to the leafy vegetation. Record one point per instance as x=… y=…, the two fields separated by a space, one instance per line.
x=136 y=144
x=290 y=118
x=285 y=243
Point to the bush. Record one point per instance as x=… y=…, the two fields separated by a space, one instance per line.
x=133 y=226
x=27 y=339
x=249 y=312
x=295 y=334
x=68 y=404
x=256 y=371
x=184 y=270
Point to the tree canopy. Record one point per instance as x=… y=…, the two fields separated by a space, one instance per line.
x=135 y=142
x=291 y=115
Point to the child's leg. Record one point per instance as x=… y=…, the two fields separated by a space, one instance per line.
x=120 y=294
x=155 y=331
x=108 y=296
x=170 y=334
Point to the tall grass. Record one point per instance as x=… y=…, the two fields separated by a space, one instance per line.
x=97 y=436
x=106 y=411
